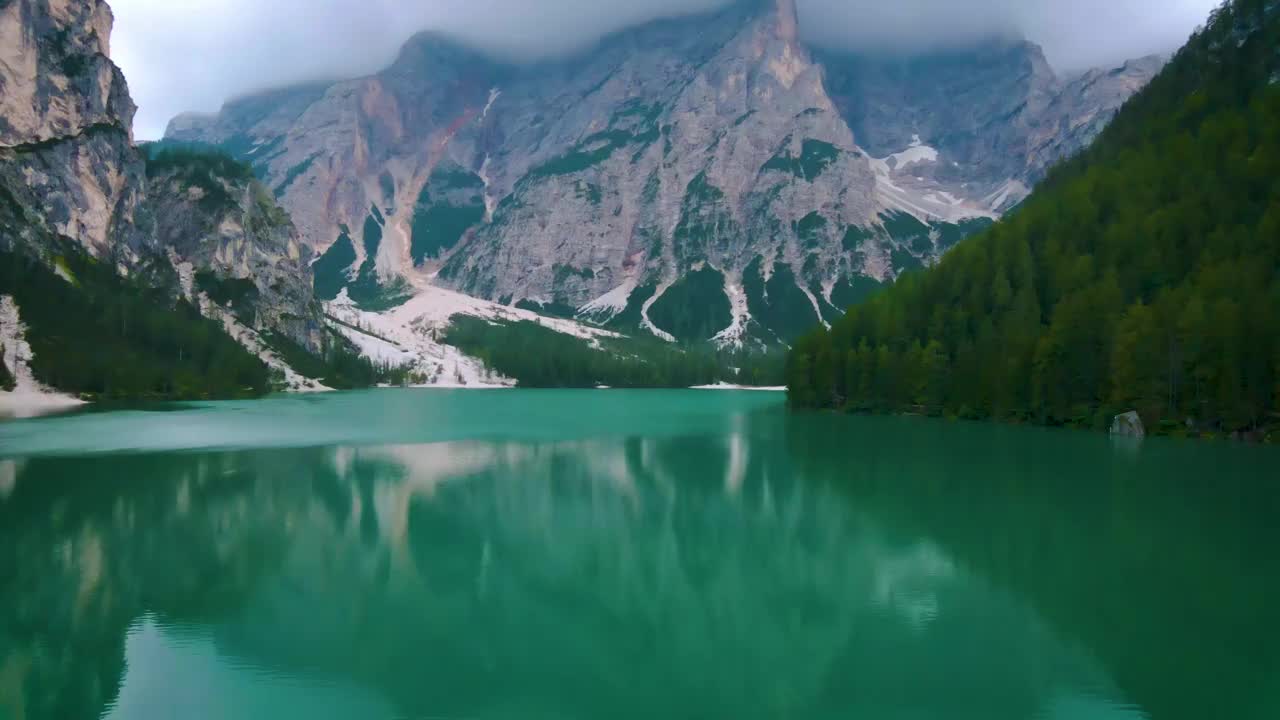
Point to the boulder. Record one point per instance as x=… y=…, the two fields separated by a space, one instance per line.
x=1128 y=425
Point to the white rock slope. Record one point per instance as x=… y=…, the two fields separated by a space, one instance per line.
x=28 y=397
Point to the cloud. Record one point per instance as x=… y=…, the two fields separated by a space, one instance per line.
x=1076 y=34
x=181 y=55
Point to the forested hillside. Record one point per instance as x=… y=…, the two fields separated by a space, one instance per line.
x=538 y=357
x=95 y=333
x=1142 y=274
x=655 y=177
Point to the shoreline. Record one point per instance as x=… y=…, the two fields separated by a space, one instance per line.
x=20 y=405
x=23 y=404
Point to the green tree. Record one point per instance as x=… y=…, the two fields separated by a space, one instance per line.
x=6 y=376
x=1143 y=273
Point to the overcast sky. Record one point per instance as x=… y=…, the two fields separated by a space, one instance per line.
x=183 y=55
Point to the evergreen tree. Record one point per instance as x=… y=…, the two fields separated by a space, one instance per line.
x=6 y=376
x=536 y=356
x=1143 y=273
x=113 y=337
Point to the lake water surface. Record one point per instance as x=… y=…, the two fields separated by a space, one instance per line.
x=650 y=554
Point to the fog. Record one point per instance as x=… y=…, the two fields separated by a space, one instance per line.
x=195 y=54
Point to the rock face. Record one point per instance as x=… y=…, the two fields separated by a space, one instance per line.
x=1083 y=107
x=67 y=163
x=71 y=176
x=699 y=177
x=58 y=79
x=21 y=394
x=242 y=246
x=1128 y=425
x=998 y=115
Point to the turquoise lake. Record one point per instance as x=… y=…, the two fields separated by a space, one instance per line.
x=459 y=555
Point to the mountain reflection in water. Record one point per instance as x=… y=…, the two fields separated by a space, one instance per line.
x=750 y=564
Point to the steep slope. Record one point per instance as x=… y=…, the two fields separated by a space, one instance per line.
x=67 y=164
x=1083 y=108
x=696 y=158
x=83 y=329
x=21 y=393
x=415 y=336
x=243 y=249
x=685 y=163
x=1143 y=274
x=99 y=250
x=997 y=114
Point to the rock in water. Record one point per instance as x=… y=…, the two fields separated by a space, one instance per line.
x=1128 y=425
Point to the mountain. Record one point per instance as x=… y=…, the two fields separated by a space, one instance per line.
x=1143 y=274
x=997 y=114
x=171 y=271
x=228 y=238
x=67 y=163
x=707 y=177
x=124 y=274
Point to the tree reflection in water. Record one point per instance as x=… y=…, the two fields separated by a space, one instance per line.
x=774 y=566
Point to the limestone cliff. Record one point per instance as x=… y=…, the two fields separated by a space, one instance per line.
x=708 y=176
x=67 y=163
x=998 y=114
x=71 y=177
x=243 y=249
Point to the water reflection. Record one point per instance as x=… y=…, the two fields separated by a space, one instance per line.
x=181 y=672
x=1159 y=559
x=766 y=567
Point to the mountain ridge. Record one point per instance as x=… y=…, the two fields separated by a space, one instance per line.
x=162 y=277
x=703 y=142
x=1139 y=279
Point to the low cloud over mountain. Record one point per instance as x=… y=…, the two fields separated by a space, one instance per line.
x=196 y=54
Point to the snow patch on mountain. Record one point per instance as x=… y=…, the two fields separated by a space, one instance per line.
x=186 y=276
x=646 y=323
x=436 y=306
x=411 y=335
x=252 y=341
x=392 y=341
x=916 y=152
x=29 y=397
x=734 y=335
x=248 y=338
x=393 y=258
x=747 y=388
x=1007 y=195
x=494 y=94
x=943 y=197
x=902 y=186
x=490 y=201
x=607 y=306
x=817 y=309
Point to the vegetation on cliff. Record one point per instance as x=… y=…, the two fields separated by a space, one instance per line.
x=1143 y=273
x=110 y=337
x=537 y=356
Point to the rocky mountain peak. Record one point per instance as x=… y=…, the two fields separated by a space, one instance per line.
x=66 y=156
x=431 y=52
x=788 y=20
x=712 y=160
x=56 y=79
x=71 y=179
